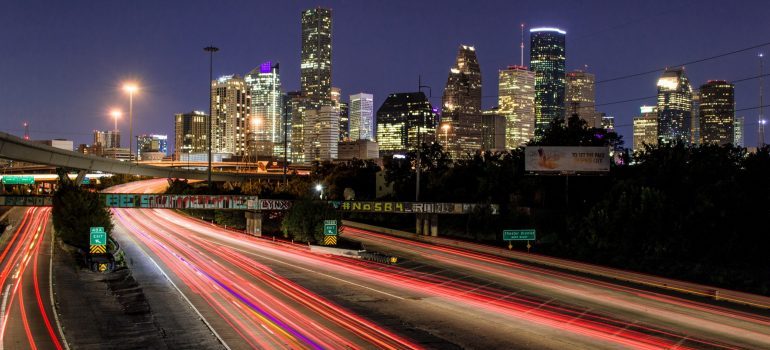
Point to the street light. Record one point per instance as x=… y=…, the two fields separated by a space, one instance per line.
x=255 y=123
x=210 y=49
x=130 y=88
x=320 y=189
x=116 y=114
x=445 y=127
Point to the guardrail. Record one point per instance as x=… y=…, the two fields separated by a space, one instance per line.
x=715 y=293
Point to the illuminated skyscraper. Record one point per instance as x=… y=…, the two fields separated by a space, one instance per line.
x=265 y=122
x=362 y=117
x=152 y=147
x=646 y=128
x=344 y=121
x=674 y=106
x=229 y=113
x=516 y=100
x=717 y=112
x=322 y=127
x=294 y=107
x=401 y=118
x=581 y=97
x=190 y=132
x=316 y=66
x=461 y=104
x=547 y=59
x=695 y=135
x=738 y=129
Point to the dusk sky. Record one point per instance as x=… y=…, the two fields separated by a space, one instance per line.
x=62 y=62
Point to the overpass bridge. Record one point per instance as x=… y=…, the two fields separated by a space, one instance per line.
x=18 y=149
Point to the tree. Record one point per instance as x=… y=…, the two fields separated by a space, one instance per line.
x=76 y=210
x=304 y=221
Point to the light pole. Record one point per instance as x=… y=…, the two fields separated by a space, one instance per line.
x=130 y=88
x=320 y=189
x=419 y=138
x=115 y=114
x=210 y=49
x=445 y=127
x=255 y=123
x=761 y=121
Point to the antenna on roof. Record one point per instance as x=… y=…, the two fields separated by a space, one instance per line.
x=26 y=131
x=522 y=44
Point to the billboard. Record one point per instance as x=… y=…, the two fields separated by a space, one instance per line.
x=411 y=207
x=563 y=159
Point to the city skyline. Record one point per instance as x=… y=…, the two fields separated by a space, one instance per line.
x=496 y=38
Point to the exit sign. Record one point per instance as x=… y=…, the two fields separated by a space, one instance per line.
x=519 y=235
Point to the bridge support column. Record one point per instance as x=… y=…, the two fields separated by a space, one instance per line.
x=80 y=177
x=254 y=223
x=418 y=224
x=434 y=225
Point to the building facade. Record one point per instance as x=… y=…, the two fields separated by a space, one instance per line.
x=404 y=120
x=738 y=129
x=674 y=106
x=516 y=103
x=646 y=128
x=717 y=112
x=547 y=59
x=230 y=109
x=580 y=97
x=316 y=65
x=265 y=124
x=321 y=134
x=190 y=133
x=462 y=94
x=153 y=143
x=295 y=105
x=361 y=117
x=358 y=149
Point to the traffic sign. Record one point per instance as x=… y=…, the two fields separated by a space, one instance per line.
x=330 y=240
x=18 y=180
x=519 y=235
x=98 y=236
x=330 y=227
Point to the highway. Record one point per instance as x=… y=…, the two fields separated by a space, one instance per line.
x=259 y=293
x=27 y=320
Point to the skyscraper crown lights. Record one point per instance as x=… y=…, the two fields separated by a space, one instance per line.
x=547 y=29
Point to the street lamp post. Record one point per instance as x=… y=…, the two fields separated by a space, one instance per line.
x=210 y=49
x=445 y=127
x=255 y=123
x=419 y=139
x=130 y=88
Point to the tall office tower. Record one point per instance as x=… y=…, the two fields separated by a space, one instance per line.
x=265 y=122
x=336 y=96
x=344 y=121
x=646 y=128
x=674 y=106
x=462 y=94
x=695 y=133
x=493 y=133
x=295 y=106
x=404 y=121
x=547 y=58
x=738 y=129
x=229 y=115
x=580 y=97
x=516 y=100
x=362 y=117
x=190 y=133
x=717 y=112
x=107 y=139
x=316 y=67
x=151 y=147
x=321 y=133
x=461 y=104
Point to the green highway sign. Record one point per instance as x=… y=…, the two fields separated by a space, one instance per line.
x=519 y=235
x=98 y=236
x=330 y=227
x=18 y=180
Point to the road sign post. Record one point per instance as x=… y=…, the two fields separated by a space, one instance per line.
x=98 y=240
x=519 y=235
x=330 y=232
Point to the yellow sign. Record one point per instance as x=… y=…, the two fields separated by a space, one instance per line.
x=330 y=240
x=98 y=249
x=102 y=267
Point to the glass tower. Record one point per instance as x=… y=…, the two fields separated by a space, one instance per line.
x=717 y=112
x=674 y=106
x=516 y=100
x=265 y=111
x=401 y=118
x=316 y=66
x=547 y=58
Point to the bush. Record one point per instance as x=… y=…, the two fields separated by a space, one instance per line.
x=304 y=221
x=75 y=211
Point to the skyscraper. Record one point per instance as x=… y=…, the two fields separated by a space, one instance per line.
x=462 y=94
x=580 y=97
x=461 y=104
x=646 y=128
x=151 y=147
x=695 y=135
x=547 y=59
x=190 y=132
x=316 y=66
x=294 y=107
x=265 y=123
x=321 y=133
x=230 y=110
x=403 y=121
x=717 y=112
x=738 y=129
x=361 y=117
x=674 y=106
x=516 y=100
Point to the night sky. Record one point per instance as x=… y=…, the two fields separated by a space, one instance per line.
x=62 y=62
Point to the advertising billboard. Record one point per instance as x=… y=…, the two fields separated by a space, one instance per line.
x=563 y=159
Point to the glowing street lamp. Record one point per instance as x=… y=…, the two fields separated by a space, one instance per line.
x=320 y=189
x=445 y=128
x=130 y=88
x=116 y=114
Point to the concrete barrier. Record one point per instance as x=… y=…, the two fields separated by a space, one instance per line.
x=335 y=251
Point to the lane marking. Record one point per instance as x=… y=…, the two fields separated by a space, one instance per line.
x=50 y=293
x=205 y=321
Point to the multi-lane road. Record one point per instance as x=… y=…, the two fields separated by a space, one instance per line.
x=258 y=293
x=27 y=319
